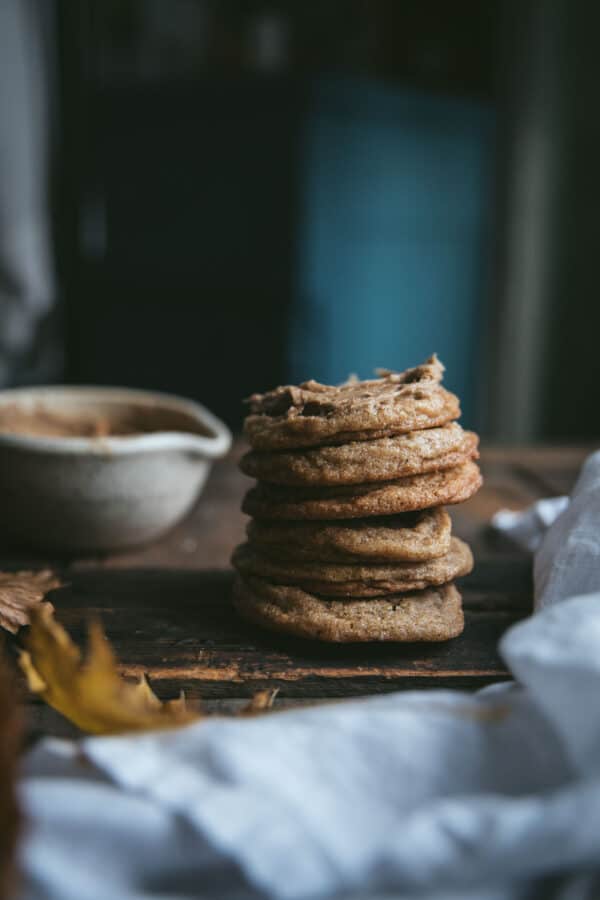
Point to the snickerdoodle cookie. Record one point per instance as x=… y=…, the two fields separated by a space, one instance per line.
x=312 y=414
x=352 y=580
x=420 y=535
x=268 y=501
x=434 y=614
x=361 y=462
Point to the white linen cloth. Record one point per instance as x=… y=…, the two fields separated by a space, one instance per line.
x=434 y=794
x=527 y=527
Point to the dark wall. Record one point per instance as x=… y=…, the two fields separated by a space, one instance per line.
x=185 y=239
x=183 y=177
x=572 y=385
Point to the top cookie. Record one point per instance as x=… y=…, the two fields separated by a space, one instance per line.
x=314 y=414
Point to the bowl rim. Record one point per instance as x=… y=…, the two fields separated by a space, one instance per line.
x=211 y=446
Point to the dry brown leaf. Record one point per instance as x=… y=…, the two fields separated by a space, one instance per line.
x=91 y=692
x=20 y=592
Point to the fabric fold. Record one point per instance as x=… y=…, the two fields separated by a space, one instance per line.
x=429 y=794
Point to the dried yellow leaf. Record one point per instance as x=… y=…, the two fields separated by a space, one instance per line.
x=91 y=692
x=20 y=592
x=261 y=702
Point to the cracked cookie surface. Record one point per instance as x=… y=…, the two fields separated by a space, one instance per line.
x=311 y=414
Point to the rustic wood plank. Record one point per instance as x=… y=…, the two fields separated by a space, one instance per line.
x=180 y=628
x=167 y=607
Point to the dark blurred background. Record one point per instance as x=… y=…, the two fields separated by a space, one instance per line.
x=211 y=197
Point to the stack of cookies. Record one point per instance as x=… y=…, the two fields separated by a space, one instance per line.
x=349 y=539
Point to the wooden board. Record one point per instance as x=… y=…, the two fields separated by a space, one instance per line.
x=167 y=608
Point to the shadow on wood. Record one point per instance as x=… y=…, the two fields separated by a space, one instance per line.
x=181 y=629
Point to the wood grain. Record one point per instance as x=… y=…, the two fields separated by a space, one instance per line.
x=167 y=608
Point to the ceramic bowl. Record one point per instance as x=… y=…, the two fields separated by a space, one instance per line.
x=101 y=493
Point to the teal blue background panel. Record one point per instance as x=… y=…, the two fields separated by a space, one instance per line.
x=392 y=238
